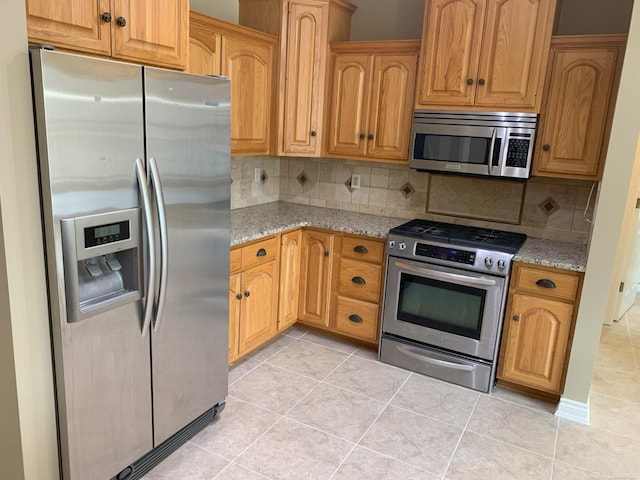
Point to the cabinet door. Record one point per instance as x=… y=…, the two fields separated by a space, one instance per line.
x=249 y=66
x=451 y=41
x=235 y=299
x=316 y=275
x=391 y=106
x=290 y=249
x=204 y=57
x=73 y=24
x=536 y=335
x=156 y=31
x=349 y=104
x=259 y=306
x=575 y=113
x=514 y=53
x=305 y=78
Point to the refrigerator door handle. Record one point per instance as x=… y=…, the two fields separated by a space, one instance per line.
x=151 y=279
x=164 y=244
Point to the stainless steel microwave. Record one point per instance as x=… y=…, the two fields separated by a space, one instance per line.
x=475 y=143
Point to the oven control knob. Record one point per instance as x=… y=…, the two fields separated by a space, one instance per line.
x=392 y=244
x=402 y=245
x=501 y=264
x=488 y=261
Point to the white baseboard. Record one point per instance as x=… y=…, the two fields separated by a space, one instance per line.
x=575 y=411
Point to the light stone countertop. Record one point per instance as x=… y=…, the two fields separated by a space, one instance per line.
x=253 y=223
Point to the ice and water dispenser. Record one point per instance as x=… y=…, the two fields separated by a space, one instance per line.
x=101 y=262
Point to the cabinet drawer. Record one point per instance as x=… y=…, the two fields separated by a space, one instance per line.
x=359 y=280
x=547 y=283
x=235 y=260
x=259 y=252
x=362 y=249
x=357 y=319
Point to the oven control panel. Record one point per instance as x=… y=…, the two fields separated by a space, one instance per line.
x=445 y=253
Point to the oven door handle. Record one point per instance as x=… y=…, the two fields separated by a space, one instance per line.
x=483 y=282
x=434 y=361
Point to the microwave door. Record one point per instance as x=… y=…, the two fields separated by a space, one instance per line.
x=498 y=152
x=454 y=148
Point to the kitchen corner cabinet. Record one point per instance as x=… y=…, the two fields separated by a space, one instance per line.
x=538 y=328
x=123 y=29
x=580 y=94
x=290 y=251
x=371 y=99
x=489 y=54
x=316 y=277
x=305 y=27
x=253 y=296
x=247 y=58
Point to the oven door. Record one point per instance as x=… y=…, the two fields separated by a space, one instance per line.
x=457 y=148
x=445 y=307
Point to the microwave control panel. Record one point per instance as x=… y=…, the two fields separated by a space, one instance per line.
x=518 y=151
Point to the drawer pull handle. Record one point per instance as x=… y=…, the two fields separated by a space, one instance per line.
x=360 y=249
x=546 y=283
x=358 y=280
x=355 y=318
x=261 y=253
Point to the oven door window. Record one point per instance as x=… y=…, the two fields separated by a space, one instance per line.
x=455 y=149
x=456 y=309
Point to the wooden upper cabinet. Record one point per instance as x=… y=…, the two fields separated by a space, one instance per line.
x=155 y=30
x=147 y=31
x=484 y=53
x=72 y=24
x=371 y=99
x=246 y=57
x=580 y=96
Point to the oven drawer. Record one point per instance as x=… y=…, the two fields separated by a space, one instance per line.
x=359 y=280
x=438 y=364
x=540 y=281
x=357 y=319
x=362 y=249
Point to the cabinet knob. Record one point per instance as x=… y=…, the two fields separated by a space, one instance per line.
x=106 y=17
x=239 y=296
x=247 y=293
x=362 y=136
x=516 y=318
x=360 y=249
x=355 y=318
x=122 y=22
x=546 y=148
x=359 y=281
x=326 y=253
x=546 y=283
x=261 y=253
x=313 y=133
x=469 y=81
x=370 y=136
x=481 y=81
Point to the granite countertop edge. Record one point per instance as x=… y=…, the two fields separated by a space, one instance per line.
x=253 y=223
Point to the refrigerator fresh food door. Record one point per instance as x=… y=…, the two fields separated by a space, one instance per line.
x=188 y=157
x=90 y=132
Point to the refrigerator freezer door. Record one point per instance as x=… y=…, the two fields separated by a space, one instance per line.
x=90 y=131
x=188 y=138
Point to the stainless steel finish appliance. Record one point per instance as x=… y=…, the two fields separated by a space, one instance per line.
x=134 y=169
x=444 y=299
x=475 y=143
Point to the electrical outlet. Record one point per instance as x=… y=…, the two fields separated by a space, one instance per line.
x=355 y=180
x=257 y=172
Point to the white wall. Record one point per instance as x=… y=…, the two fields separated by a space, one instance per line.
x=223 y=9
x=577 y=17
x=387 y=19
x=28 y=448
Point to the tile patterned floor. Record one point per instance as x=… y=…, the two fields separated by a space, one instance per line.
x=308 y=407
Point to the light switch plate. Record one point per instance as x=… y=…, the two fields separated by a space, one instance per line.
x=257 y=172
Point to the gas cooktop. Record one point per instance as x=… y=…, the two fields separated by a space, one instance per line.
x=461 y=235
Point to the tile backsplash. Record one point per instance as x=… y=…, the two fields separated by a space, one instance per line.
x=541 y=207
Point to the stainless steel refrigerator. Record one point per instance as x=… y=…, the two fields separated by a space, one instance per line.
x=134 y=169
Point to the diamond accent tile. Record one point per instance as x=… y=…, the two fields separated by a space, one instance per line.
x=303 y=179
x=549 y=206
x=348 y=185
x=407 y=190
x=263 y=177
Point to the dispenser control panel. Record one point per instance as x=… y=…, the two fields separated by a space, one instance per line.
x=104 y=234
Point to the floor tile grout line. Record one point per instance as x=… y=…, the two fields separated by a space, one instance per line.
x=512 y=402
x=555 y=449
x=464 y=429
x=371 y=425
x=232 y=463
x=265 y=360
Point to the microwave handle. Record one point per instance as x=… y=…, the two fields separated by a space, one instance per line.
x=493 y=146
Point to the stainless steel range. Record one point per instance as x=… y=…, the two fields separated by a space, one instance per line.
x=444 y=300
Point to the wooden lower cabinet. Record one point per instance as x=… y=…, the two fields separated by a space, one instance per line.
x=290 y=251
x=356 y=318
x=235 y=296
x=316 y=276
x=538 y=328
